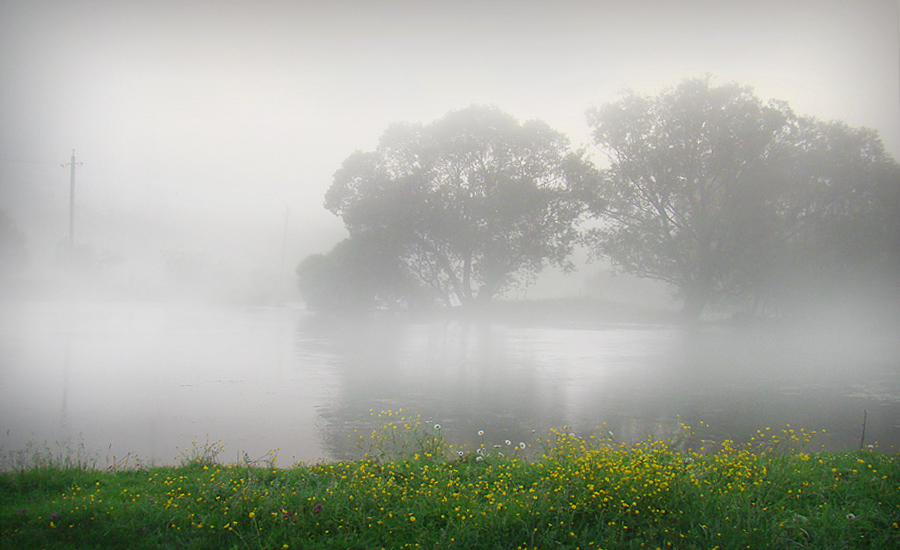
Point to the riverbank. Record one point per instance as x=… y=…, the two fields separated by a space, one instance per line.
x=411 y=489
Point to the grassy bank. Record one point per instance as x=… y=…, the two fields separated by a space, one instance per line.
x=411 y=489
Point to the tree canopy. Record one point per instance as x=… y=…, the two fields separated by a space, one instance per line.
x=470 y=205
x=719 y=194
x=356 y=274
x=836 y=222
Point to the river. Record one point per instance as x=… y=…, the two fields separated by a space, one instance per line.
x=147 y=380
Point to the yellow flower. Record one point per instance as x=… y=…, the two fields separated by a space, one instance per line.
x=252 y=514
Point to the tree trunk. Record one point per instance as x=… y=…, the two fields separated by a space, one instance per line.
x=485 y=295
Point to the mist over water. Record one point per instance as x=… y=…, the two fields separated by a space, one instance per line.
x=143 y=285
x=149 y=379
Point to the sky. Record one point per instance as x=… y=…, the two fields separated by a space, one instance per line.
x=209 y=131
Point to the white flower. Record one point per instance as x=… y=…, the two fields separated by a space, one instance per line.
x=508 y=443
x=480 y=433
x=479 y=458
x=437 y=426
x=521 y=444
x=459 y=453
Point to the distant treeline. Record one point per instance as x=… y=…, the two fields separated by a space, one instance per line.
x=704 y=187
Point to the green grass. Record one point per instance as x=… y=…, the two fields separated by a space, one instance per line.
x=411 y=489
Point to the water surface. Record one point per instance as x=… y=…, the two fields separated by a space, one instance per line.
x=149 y=379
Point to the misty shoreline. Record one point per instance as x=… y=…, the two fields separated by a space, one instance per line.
x=576 y=312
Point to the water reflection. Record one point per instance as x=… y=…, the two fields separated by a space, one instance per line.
x=515 y=382
x=149 y=379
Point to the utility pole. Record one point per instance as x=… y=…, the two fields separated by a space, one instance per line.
x=72 y=165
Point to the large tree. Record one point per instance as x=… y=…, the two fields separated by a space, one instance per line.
x=472 y=204
x=685 y=182
x=717 y=193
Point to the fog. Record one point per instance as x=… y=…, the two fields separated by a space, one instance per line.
x=208 y=132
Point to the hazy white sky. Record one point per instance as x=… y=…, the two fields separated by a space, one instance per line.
x=199 y=122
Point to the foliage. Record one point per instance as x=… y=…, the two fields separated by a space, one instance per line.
x=359 y=273
x=574 y=492
x=719 y=194
x=836 y=221
x=470 y=205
